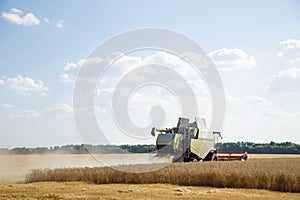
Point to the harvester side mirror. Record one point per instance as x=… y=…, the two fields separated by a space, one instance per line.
x=153 y=131
x=218 y=133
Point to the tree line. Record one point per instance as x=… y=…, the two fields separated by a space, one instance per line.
x=250 y=147
x=261 y=148
x=81 y=149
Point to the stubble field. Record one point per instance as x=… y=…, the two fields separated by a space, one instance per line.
x=82 y=190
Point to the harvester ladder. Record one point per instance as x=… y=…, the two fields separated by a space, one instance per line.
x=186 y=142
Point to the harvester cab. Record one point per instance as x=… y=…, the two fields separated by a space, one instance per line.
x=187 y=141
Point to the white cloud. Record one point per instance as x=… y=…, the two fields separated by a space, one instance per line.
x=231 y=59
x=287 y=80
x=68 y=75
x=255 y=109
x=59 y=24
x=255 y=100
x=280 y=54
x=252 y=99
x=69 y=71
x=25 y=85
x=290 y=73
x=16 y=16
x=7 y=106
x=104 y=91
x=290 y=43
x=70 y=66
x=99 y=110
x=81 y=62
x=275 y=113
x=178 y=64
x=67 y=78
x=126 y=63
x=199 y=87
x=28 y=114
x=290 y=52
x=93 y=60
x=46 y=20
x=245 y=106
x=14 y=10
x=61 y=108
x=66 y=110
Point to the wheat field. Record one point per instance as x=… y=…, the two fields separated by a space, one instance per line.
x=278 y=174
x=81 y=177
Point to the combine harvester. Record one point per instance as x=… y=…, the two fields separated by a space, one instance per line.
x=192 y=142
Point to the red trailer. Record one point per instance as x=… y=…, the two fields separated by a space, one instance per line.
x=222 y=155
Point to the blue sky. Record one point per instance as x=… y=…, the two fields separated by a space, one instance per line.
x=254 y=44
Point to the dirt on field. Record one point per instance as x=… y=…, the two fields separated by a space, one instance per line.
x=80 y=190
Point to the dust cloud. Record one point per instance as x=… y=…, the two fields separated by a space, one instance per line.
x=13 y=168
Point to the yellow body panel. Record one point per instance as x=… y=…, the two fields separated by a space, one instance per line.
x=195 y=147
x=200 y=148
